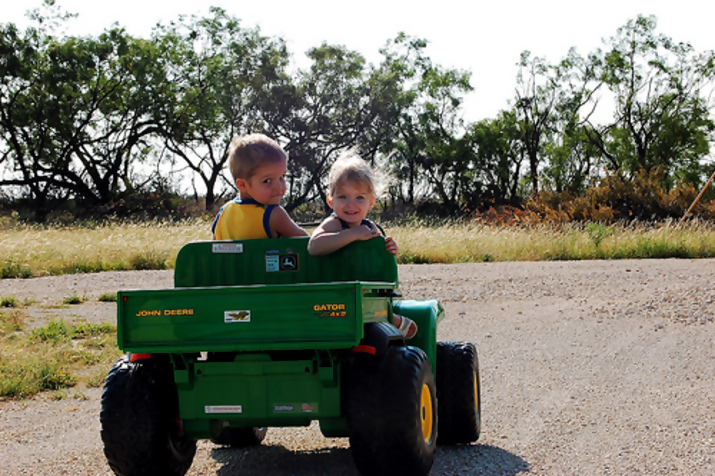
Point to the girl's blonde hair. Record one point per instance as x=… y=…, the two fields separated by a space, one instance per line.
x=351 y=167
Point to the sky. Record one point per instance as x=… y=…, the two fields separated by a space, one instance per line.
x=485 y=38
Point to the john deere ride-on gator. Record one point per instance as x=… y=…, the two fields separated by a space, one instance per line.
x=258 y=334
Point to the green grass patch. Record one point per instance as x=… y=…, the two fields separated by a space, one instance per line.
x=11 y=321
x=9 y=301
x=55 y=357
x=96 y=378
x=59 y=330
x=107 y=297
x=149 y=260
x=10 y=269
x=74 y=299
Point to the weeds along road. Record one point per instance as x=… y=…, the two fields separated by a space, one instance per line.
x=594 y=367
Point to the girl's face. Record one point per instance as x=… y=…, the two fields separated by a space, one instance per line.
x=267 y=185
x=351 y=202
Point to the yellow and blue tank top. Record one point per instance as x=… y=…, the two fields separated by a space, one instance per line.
x=243 y=220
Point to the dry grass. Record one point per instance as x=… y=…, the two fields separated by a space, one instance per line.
x=474 y=242
x=36 y=251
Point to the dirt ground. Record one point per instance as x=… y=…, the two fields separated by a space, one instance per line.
x=593 y=367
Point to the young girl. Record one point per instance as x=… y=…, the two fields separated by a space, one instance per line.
x=352 y=195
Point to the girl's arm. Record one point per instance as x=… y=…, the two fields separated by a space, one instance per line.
x=391 y=246
x=330 y=236
x=282 y=225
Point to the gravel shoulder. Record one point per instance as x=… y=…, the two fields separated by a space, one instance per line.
x=591 y=367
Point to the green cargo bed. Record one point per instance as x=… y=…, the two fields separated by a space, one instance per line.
x=245 y=318
x=260 y=295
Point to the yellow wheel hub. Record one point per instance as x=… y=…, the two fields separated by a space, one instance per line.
x=476 y=394
x=426 y=413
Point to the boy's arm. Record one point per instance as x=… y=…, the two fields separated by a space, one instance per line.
x=330 y=236
x=282 y=225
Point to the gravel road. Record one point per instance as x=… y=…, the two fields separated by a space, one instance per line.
x=592 y=367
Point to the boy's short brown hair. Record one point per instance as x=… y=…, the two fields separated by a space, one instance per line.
x=351 y=167
x=247 y=153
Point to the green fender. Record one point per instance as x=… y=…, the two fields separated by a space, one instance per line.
x=426 y=314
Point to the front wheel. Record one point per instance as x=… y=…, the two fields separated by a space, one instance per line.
x=391 y=409
x=140 y=421
x=458 y=393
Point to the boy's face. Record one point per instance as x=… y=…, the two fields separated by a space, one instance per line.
x=351 y=202
x=267 y=185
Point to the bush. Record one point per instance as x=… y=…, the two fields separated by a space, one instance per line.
x=617 y=198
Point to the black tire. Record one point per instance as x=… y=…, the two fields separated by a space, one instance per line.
x=241 y=437
x=140 y=426
x=458 y=393
x=391 y=410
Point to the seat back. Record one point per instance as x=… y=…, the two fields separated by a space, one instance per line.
x=280 y=261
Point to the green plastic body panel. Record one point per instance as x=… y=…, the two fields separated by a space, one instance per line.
x=259 y=393
x=426 y=314
x=246 y=318
x=216 y=263
x=276 y=325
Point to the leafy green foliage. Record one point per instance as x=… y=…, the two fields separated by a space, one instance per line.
x=109 y=125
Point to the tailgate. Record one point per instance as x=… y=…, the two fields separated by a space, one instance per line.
x=245 y=318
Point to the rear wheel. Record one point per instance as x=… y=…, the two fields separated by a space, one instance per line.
x=391 y=409
x=458 y=393
x=141 y=430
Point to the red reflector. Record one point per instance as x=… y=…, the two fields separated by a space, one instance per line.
x=135 y=357
x=364 y=349
x=125 y=299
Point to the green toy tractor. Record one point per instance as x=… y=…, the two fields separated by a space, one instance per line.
x=259 y=334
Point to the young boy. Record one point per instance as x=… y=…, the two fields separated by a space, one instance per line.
x=258 y=166
x=352 y=195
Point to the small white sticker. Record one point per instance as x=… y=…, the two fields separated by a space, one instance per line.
x=227 y=247
x=223 y=409
x=237 y=316
x=272 y=263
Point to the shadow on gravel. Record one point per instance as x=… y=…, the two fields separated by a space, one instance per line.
x=477 y=459
x=278 y=461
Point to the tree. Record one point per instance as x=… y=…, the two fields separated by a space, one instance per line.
x=537 y=95
x=661 y=116
x=73 y=113
x=571 y=157
x=223 y=77
x=426 y=141
x=498 y=158
x=341 y=103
